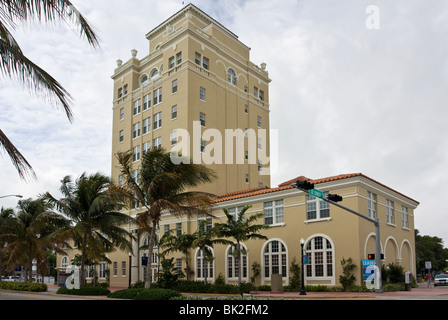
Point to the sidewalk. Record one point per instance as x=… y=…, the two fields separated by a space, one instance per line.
x=421 y=291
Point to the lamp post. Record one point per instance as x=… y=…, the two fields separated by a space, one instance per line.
x=130 y=270
x=302 y=285
x=12 y=195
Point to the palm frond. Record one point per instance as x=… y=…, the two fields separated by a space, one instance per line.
x=23 y=167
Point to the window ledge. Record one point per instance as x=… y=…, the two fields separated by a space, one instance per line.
x=317 y=220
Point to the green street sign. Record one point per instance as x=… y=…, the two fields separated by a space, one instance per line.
x=316 y=193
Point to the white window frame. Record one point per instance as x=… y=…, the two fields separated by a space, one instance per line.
x=320 y=208
x=274 y=213
x=274 y=259
x=157 y=121
x=390 y=214
x=371 y=205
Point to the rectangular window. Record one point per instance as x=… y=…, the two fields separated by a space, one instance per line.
x=202 y=145
x=125 y=89
x=258 y=121
x=202 y=93
x=157 y=142
x=121 y=113
x=390 y=212
x=147 y=102
x=179 y=58
x=171 y=62
x=178 y=229
x=120 y=92
x=173 y=137
x=174 y=112
x=123 y=268
x=273 y=212
x=261 y=95
x=136 y=130
x=147 y=125
x=136 y=153
x=157 y=96
x=115 y=268
x=317 y=208
x=371 y=205
x=137 y=107
x=197 y=58
x=157 y=120
x=404 y=217
x=202 y=119
x=205 y=63
x=121 y=138
x=174 y=86
x=146 y=147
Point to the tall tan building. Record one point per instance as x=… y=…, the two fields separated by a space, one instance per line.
x=197 y=80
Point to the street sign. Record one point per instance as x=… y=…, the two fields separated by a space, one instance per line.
x=367 y=269
x=316 y=193
x=428 y=265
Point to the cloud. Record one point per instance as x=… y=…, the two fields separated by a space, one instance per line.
x=343 y=98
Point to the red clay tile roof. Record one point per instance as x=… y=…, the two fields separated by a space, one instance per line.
x=287 y=185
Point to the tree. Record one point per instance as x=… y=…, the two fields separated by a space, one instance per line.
x=430 y=249
x=97 y=225
x=181 y=243
x=15 y=64
x=241 y=229
x=6 y=219
x=204 y=240
x=31 y=233
x=161 y=186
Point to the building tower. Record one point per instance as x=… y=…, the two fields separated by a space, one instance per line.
x=196 y=80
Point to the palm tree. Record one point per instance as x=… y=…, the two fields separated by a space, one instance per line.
x=241 y=229
x=31 y=234
x=160 y=186
x=15 y=64
x=6 y=219
x=181 y=243
x=97 y=224
x=204 y=240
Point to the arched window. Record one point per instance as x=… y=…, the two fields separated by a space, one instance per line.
x=320 y=254
x=231 y=76
x=232 y=263
x=64 y=262
x=274 y=259
x=204 y=267
x=154 y=74
x=143 y=79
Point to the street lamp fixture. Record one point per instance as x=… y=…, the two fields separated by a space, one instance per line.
x=302 y=286
x=12 y=195
x=130 y=269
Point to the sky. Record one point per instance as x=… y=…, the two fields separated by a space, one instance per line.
x=354 y=88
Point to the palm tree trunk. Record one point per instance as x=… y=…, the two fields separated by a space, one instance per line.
x=239 y=264
x=152 y=239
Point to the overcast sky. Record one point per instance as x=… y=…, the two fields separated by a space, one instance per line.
x=344 y=97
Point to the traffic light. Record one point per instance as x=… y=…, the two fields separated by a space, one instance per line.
x=371 y=256
x=303 y=185
x=334 y=197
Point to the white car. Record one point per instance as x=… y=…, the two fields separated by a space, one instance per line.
x=9 y=278
x=441 y=279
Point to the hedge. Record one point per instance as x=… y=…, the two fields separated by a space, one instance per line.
x=144 y=294
x=84 y=291
x=23 y=286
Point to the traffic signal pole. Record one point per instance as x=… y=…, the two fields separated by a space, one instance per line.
x=307 y=186
x=376 y=222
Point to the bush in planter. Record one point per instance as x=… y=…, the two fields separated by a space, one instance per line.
x=144 y=294
x=24 y=286
x=84 y=291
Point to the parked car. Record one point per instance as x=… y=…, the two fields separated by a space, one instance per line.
x=9 y=278
x=441 y=279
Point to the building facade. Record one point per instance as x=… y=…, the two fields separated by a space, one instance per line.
x=198 y=79
x=196 y=92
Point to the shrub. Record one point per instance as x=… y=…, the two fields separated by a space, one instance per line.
x=144 y=294
x=84 y=291
x=24 y=286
